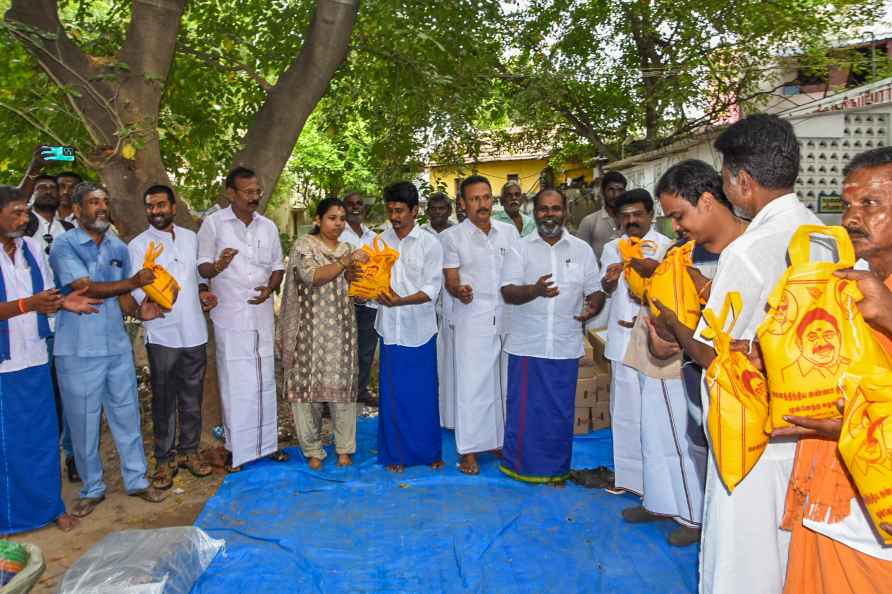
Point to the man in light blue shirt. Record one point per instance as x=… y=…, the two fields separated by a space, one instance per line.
x=93 y=354
x=511 y=200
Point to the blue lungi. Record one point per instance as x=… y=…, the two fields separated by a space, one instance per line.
x=30 y=476
x=539 y=428
x=409 y=415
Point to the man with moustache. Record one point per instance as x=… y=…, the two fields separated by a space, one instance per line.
x=511 y=200
x=177 y=343
x=635 y=210
x=839 y=551
x=600 y=227
x=67 y=181
x=94 y=355
x=45 y=224
x=473 y=256
x=357 y=234
x=29 y=455
x=439 y=208
x=548 y=277
x=409 y=424
x=743 y=548
x=240 y=252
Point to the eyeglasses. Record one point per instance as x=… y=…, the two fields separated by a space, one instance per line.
x=48 y=240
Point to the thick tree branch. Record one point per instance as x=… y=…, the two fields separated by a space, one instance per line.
x=270 y=140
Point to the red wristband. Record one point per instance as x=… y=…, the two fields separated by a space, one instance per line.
x=22 y=307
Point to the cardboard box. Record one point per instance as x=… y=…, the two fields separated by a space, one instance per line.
x=598 y=340
x=583 y=422
x=587 y=367
x=586 y=392
x=600 y=415
x=602 y=388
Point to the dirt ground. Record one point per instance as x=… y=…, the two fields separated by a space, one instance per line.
x=120 y=512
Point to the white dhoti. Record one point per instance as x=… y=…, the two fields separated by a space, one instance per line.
x=477 y=373
x=246 y=370
x=674 y=468
x=447 y=373
x=742 y=548
x=625 y=424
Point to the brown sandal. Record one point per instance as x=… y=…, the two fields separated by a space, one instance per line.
x=195 y=464
x=162 y=478
x=84 y=506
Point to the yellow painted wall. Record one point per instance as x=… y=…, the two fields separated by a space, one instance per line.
x=497 y=172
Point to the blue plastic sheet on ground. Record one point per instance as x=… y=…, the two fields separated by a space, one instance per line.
x=363 y=529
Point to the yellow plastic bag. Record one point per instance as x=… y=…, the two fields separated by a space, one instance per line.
x=373 y=277
x=738 y=399
x=165 y=288
x=671 y=285
x=865 y=442
x=814 y=331
x=634 y=248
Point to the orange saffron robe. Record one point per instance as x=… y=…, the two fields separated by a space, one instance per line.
x=821 y=490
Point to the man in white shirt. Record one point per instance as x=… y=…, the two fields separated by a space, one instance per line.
x=239 y=250
x=743 y=548
x=627 y=384
x=357 y=234
x=44 y=225
x=31 y=489
x=67 y=181
x=177 y=343
x=439 y=209
x=473 y=254
x=409 y=423
x=546 y=276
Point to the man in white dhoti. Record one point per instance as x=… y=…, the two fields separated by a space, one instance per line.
x=439 y=209
x=743 y=549
x=635 y=208
x=473 y=252
x=239 y=250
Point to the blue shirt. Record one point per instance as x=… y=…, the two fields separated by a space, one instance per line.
x=75 y=255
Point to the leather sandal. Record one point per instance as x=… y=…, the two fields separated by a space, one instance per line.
x=84 y=506
x=228 y=467
x=279 y=456
x=151 y=494
x=194 y=464
x=162 y=478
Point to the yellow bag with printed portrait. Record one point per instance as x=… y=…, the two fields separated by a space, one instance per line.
x=165 y=288
x=814 y=331
x=671 y=285
x=865 y=442
x=373 y=277
x=738 y=399
x=634 y=248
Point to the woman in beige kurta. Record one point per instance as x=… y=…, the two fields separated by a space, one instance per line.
x=317 y=336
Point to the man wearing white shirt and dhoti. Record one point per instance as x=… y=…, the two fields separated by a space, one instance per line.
x=177 y=343
x=473 y=255
x=548 y=276
x=239 y=250
x=742 y=548
x=627 y=384
x=439 y=209
x=409 y=424
x=357 y=234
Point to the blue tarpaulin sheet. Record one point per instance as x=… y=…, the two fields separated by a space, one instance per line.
x=364 y=529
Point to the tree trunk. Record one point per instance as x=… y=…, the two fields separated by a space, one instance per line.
x=270 y=140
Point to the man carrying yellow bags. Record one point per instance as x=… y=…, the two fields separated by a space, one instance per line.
x=835 y=547
x=743 y=549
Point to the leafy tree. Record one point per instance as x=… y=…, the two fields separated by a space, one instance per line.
x=608 y=72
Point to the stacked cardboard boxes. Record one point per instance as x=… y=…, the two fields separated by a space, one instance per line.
x=593 y=388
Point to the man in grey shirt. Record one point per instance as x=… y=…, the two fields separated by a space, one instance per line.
x=599 y=227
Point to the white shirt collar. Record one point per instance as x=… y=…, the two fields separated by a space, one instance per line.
x=773 y=208
x=535 y=237
x=228 y=214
